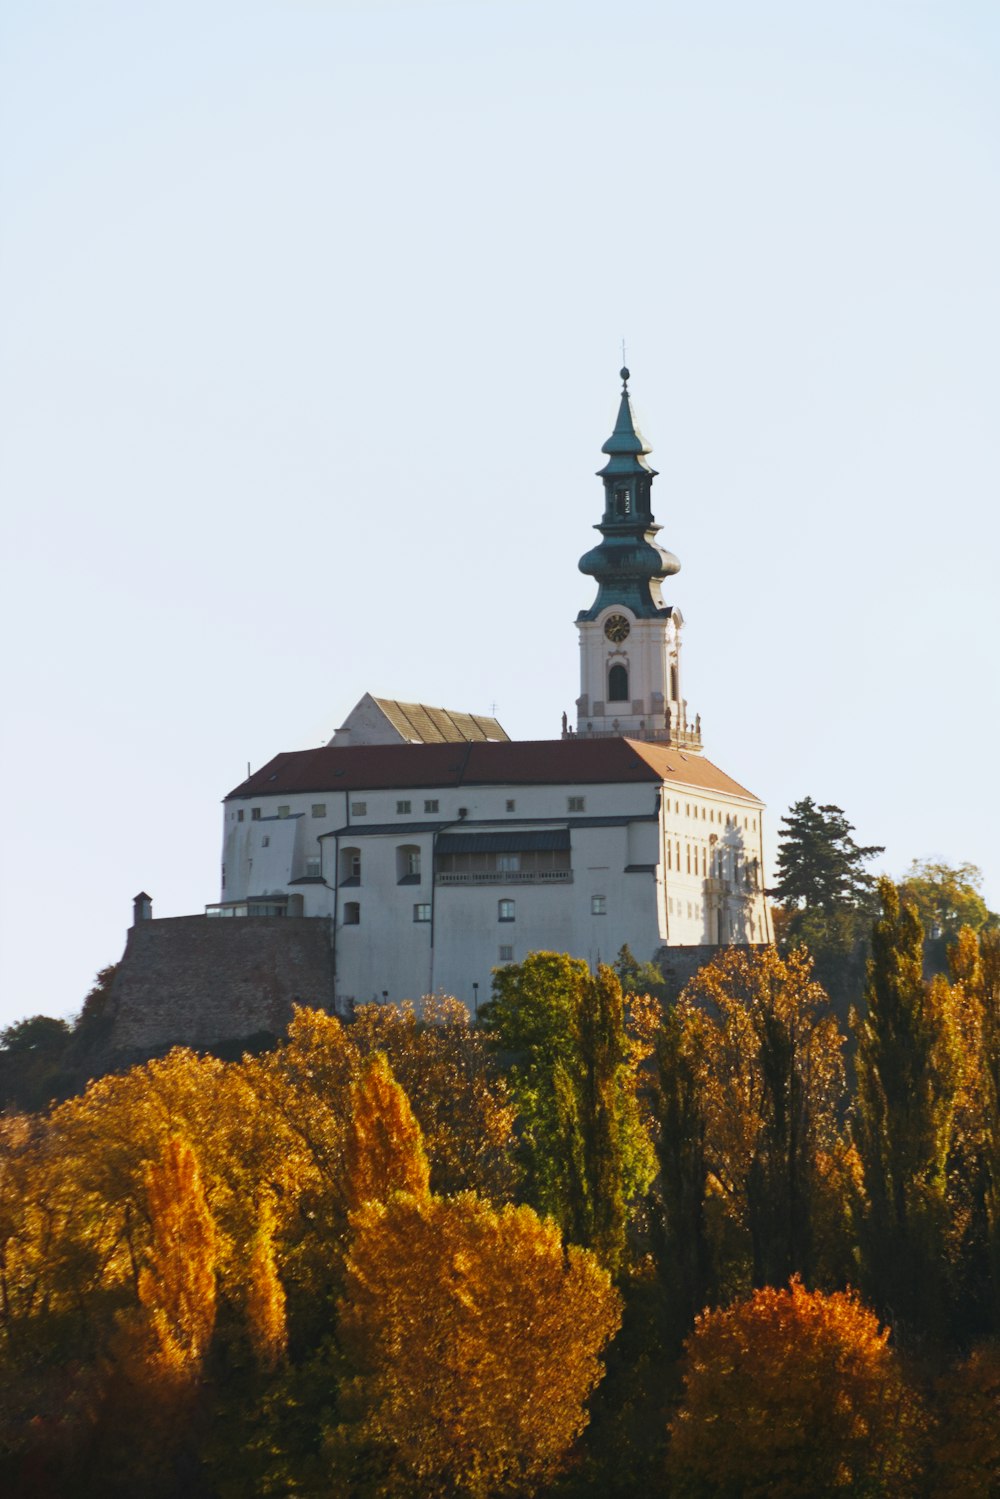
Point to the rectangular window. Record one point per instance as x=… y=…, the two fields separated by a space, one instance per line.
x=422 y=912
x=508 y=862
x=255 y=814
x=687 y=847
x=359 y=809
x=505 y=910
x=239 y=815
x=511 y=805
x=576 y=804
x=432 y=806
x=319 y=809
x=402 y=808
x=352 y=913
x=598 y=905
x=670 y=855
x=312 y=867
x=265 y=842
x=506 y=953
x=283 y=811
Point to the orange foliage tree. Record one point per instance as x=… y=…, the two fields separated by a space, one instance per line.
x=177 y=1288
x=793 y=1393
x=476 y=1335
x=384 y=1150
x=967 y=1445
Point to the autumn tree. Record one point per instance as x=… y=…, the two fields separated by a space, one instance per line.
x=966 y=1454
x=770 y=1084
x=384 y=1149
x=792 y=1393
x=455 y=1087
x=177 y=1287
x=574 y=1076
x=476 y=1338
x=908 y=1074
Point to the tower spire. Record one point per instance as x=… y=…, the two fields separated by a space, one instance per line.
x=628 y=565
x=630 y=637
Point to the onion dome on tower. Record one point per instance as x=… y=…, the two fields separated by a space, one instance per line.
x=628 y=565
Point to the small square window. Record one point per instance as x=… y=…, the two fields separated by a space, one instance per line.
x=255 y=814
x=359 y=809
x=511 y=805
x=506 y=954
x=431 y=806
x=422 y=912
x=402 y=808
x=319 y=809
x=239 y=815
x=283 y=811
x=505 y=910
x=598 y=905
x=576 y=804
x=352 y=913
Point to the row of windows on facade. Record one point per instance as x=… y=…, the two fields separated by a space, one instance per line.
x=714 y=862
x=709 y=814
x=506 y=911
x=404 y=808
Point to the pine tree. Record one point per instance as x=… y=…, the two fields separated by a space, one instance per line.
x=823 y=886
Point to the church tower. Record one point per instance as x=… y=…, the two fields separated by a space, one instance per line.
x=630 y=639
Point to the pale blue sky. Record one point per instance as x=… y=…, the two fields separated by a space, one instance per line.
x=311 y=317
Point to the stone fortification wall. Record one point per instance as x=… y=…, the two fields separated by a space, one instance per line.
x=197 y=980
x=679 y=964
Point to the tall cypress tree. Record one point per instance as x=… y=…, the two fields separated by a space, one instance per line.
x=908 y=1075
x=586 y=1152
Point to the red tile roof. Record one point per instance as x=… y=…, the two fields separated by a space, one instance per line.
x=538 y=762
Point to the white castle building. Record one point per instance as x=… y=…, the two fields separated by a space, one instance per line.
x=436 y=848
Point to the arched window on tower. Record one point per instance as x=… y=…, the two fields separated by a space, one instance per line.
x=674 y=684
x=618 y=684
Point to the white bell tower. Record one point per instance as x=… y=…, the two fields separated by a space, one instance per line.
x=630 y=640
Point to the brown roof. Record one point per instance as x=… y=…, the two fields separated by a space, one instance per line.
x=538 y=762
x=420 y=724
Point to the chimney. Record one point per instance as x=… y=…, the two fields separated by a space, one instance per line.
x=142 y=908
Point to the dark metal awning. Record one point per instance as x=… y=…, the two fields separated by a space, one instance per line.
x=517 y=841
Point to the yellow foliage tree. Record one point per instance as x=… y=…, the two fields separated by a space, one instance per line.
x=456 y=1090
x=177 y=1288
x=770 y=1080
x=793 y=1394
x=477 y=1338
x=384 y=1149
x=266 y=1296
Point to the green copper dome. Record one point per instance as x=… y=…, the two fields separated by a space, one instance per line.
x=627 y=563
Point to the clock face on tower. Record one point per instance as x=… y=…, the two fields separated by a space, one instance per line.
x=616 y=628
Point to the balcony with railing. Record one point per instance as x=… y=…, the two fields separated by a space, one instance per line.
x=505 y=877
x=531 y=867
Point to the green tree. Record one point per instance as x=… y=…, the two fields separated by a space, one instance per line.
x=946 y=898
x=574 y=1075
x=825 y=891
x=908 y=1076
